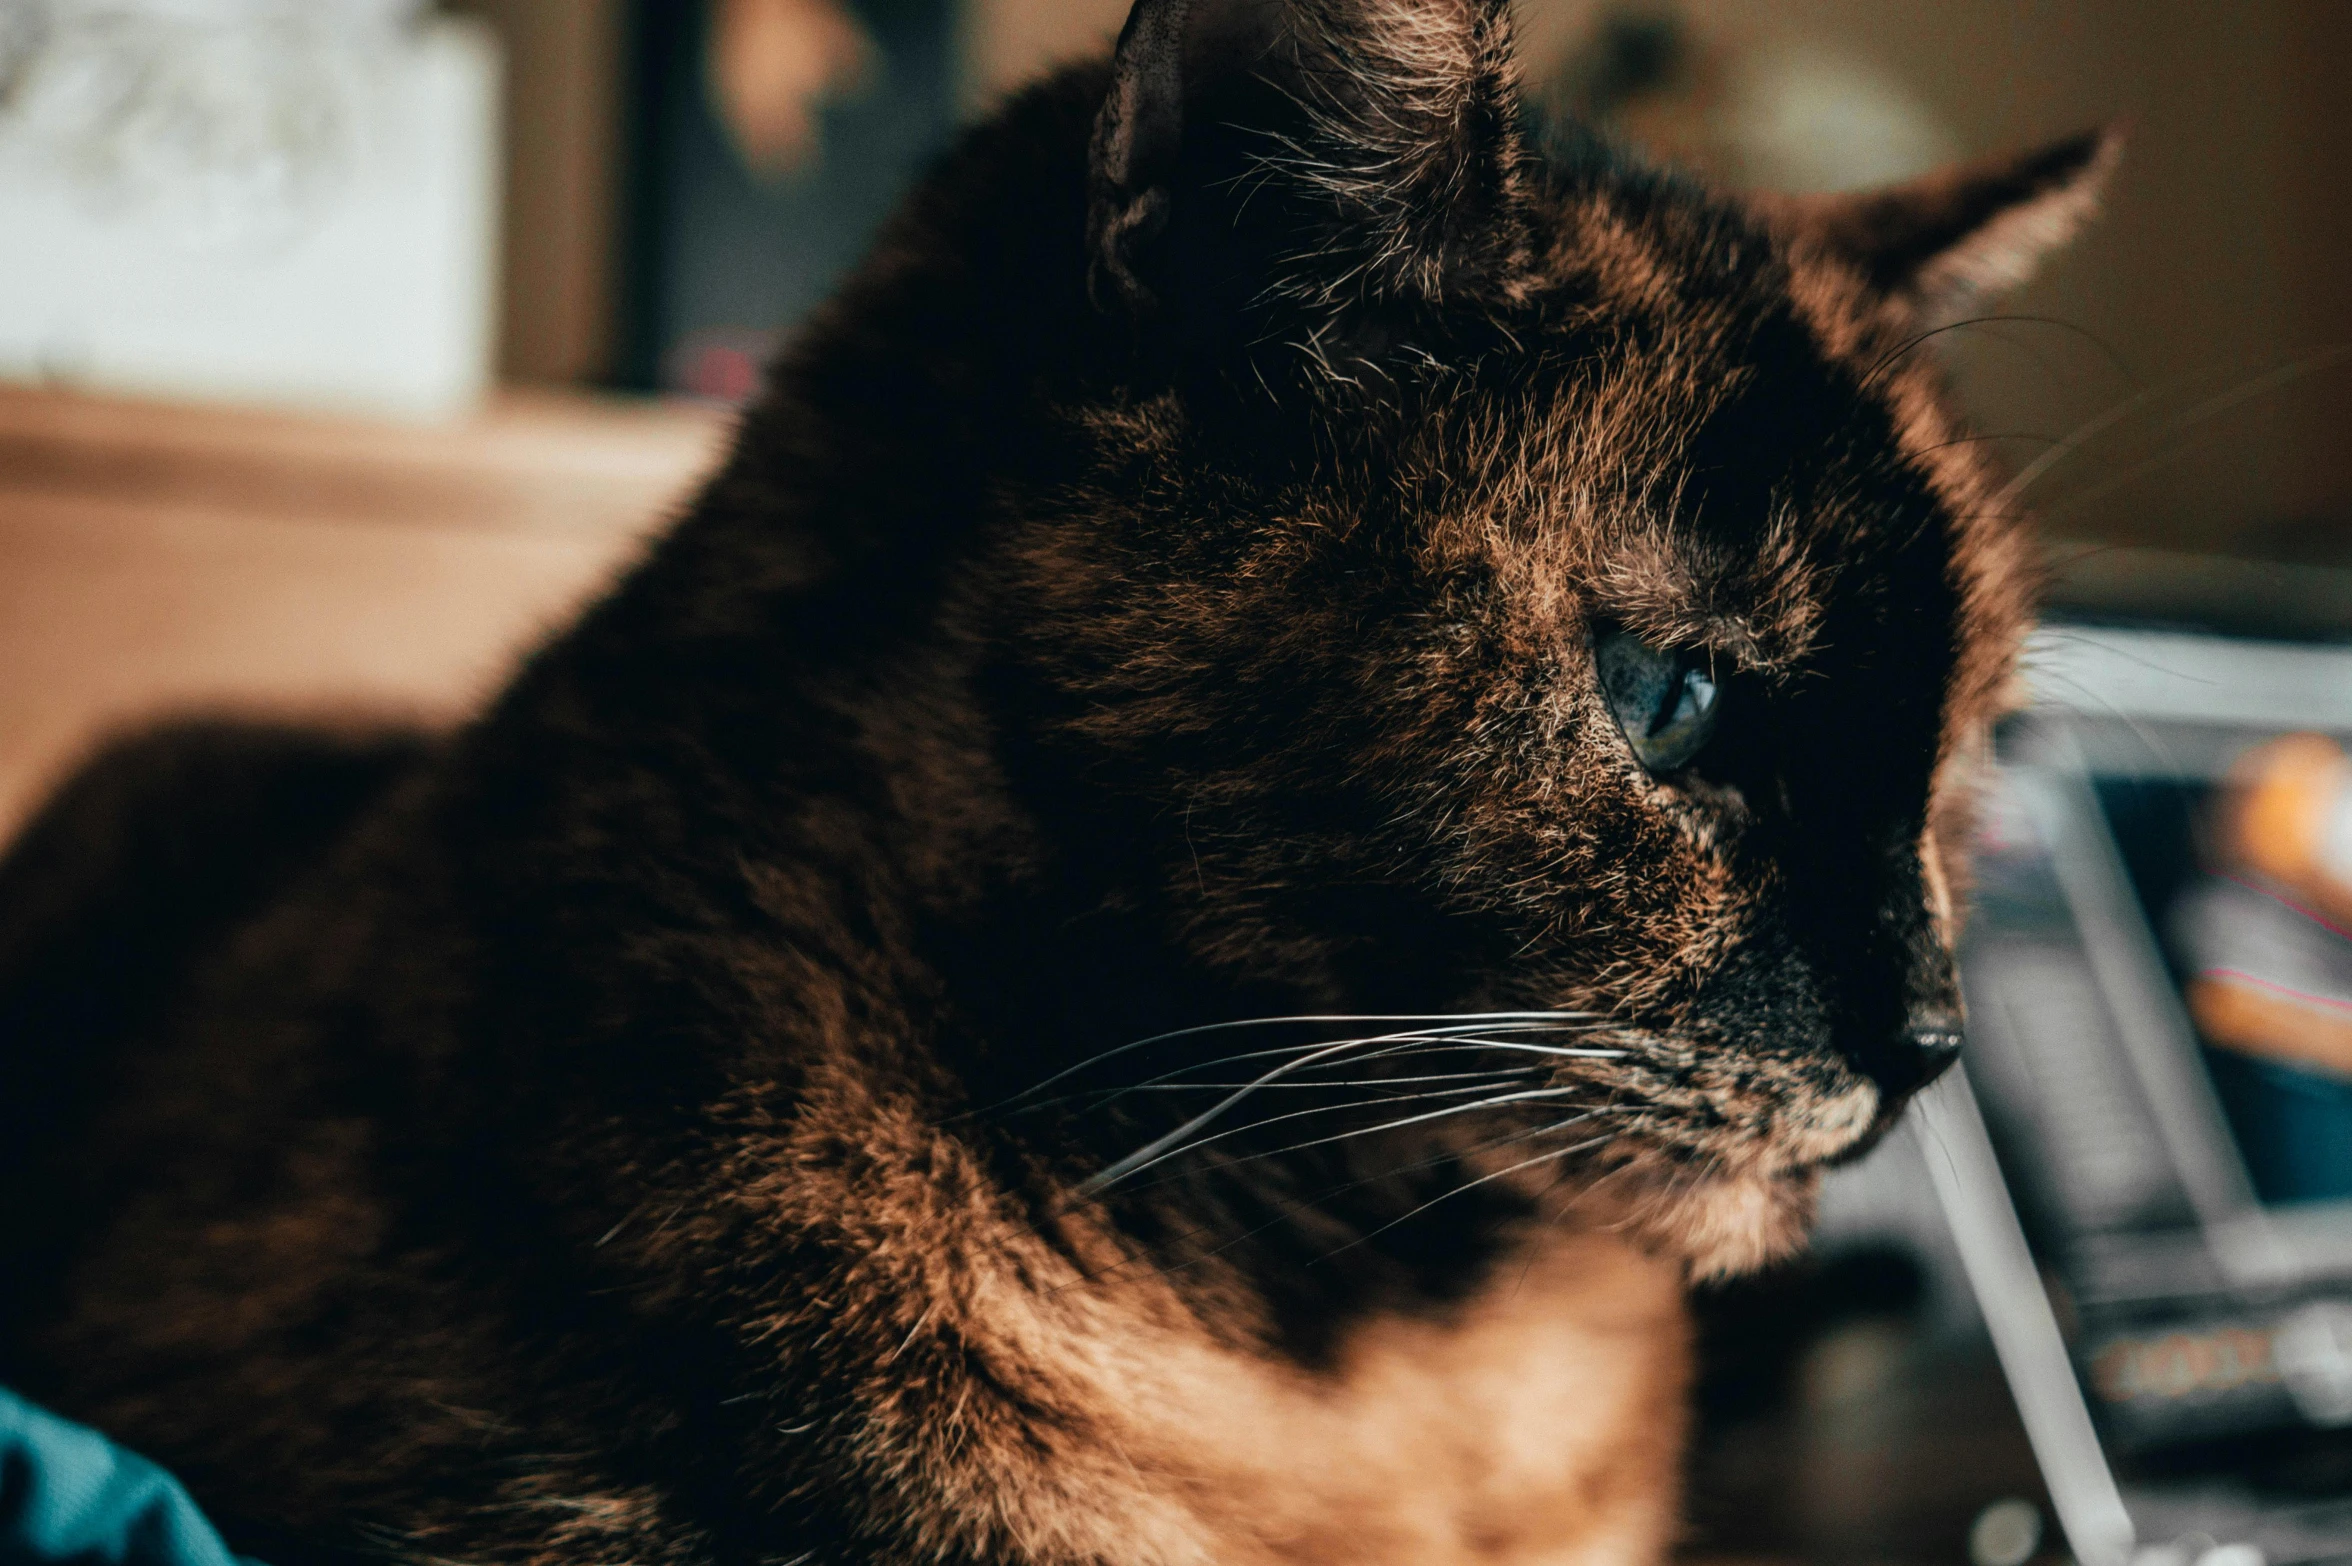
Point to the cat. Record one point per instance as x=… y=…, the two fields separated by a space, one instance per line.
x=1315 y=745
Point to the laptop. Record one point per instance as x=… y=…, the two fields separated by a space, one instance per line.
x=2145 y=1161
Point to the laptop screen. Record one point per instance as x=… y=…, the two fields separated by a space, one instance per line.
x=2159 y=975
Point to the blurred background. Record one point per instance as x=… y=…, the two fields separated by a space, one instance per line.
x=346 y=344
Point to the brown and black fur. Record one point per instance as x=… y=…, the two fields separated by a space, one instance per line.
x=659 y=1122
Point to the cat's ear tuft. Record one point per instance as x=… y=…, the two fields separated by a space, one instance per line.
x=1321 y=153
x=1958 y=236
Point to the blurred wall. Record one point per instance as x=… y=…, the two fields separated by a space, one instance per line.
x=563 y=184
x=2316 y=80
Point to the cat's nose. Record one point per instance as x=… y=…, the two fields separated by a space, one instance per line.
x=1921 y=1051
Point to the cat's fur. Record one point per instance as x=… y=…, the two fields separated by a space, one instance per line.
x=1157 y=592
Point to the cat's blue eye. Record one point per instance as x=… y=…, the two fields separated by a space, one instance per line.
x=1665 y=699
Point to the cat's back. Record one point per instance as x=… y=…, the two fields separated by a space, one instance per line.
x=113 y=899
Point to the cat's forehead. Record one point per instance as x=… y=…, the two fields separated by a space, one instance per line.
x=1699 y=320
x=1698 y=445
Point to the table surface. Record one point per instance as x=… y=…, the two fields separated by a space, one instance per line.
x=158 y=558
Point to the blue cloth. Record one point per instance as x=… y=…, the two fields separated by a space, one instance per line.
x=70 y=1497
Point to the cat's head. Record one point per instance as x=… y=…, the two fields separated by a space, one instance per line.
x=1513 y=580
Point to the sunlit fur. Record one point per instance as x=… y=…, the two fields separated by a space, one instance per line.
x=1074 y=968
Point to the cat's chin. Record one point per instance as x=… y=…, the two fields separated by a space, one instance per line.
x=1758 y=1208
x=1721 y=1228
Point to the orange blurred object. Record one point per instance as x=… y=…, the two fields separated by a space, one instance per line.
x=2267 y=933
x=773 y=64
x=2287 y=816
x=2257 y=1017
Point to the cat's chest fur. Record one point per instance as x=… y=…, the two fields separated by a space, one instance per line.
x=1539 y=1422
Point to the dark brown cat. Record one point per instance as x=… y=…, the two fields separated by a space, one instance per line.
x=1262 y=538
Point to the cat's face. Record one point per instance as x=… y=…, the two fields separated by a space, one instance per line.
x=1538 y=586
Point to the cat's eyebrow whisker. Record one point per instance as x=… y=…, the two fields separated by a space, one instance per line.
x=2105 y=348
x=2212 y=408
x=2090 y=429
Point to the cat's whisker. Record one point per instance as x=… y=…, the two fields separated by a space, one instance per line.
x=1179 y=1080
x=1559 y=1215
x=1357 y=1184
x=1416 y=1046
x=1166 y=1268
x=1150 y=1151
x=1465 y=1187
x=1599 y=1185
x=1588 y=1111
x=1090 y=1191
x=1452 y=1035
x=1103 y=1181
x=1445 y=1020
x=1988 y=438
x=2150 y=743
x=1342 y=1082
x=1553 y=1050
x=1417 y=1041
x=1910 y=344
x=2090 y=429
x=2212 y=408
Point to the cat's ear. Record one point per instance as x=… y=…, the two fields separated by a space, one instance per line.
x=1944 y=242
x=1321 y=153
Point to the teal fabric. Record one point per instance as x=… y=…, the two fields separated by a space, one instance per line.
x=70 y=1497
